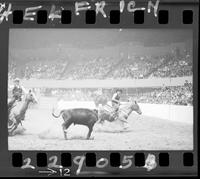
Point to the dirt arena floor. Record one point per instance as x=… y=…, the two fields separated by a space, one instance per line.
x=43 y=132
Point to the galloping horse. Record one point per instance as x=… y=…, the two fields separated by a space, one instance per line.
x=15 y=118
x=122 y=114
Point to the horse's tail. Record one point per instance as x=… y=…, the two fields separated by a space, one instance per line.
x=57 y=116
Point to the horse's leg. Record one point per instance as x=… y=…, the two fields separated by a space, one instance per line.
x=121 y=121
x=22 y=126
x=125 y=123
x=65 y=126
x=15 y=123
x=11 y=132
x=100 y=119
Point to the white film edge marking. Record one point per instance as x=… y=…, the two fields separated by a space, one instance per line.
x=30 y=12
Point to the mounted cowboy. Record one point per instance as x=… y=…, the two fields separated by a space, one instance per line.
x=18 y=90
x=116 y=99
x=122 y=114
x=113 y=109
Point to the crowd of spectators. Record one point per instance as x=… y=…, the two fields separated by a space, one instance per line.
x=135 y=67
x=131 y=67
x=178 y=95
x=93 y=69
x=44 y=70
x=38 y=69
x=176 y=67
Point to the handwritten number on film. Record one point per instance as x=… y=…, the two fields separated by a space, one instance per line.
x=27 y=162
x=102 y=163
x=53 y=164
x=79 y=160
x=127 y=160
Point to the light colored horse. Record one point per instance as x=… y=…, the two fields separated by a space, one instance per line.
x=119 y=116
x=17 y=114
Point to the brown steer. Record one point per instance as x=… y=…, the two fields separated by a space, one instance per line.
x=80 y=116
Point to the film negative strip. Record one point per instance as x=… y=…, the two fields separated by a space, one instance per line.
x=99 y=88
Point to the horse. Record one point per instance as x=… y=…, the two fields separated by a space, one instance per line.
x=121 y=115
x=15 y=118
x=124 y=112
x=100 y=100
x=11 y=104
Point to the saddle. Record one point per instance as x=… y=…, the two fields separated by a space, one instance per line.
x=111 y=111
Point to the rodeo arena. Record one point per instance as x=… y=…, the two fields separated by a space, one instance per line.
x=104 y=93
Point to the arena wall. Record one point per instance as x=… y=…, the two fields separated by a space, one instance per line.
x=110 y=83
x=171 y=112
